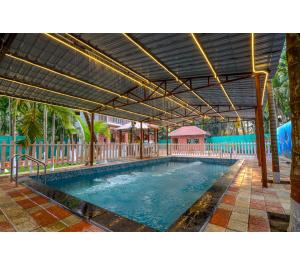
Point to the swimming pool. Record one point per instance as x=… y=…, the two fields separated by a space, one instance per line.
x=154 y=193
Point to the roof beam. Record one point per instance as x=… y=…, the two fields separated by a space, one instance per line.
x=5 y=44
x=95 y=57
x=176 y=78
x=211 y=67
x=169 y=94
x=74 y=79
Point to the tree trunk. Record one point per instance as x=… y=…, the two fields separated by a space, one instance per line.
x=45 y=133
x=53 y=142
x=87 y=118
x=293 y=59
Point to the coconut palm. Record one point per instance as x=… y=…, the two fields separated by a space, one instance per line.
x=100 y=128
x=293 y=59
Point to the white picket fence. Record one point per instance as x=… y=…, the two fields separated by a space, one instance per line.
x=221 y=150
x=71 y=154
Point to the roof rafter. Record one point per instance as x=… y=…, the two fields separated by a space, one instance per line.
x=100 y=61
x=177 y=78
x=211 y=67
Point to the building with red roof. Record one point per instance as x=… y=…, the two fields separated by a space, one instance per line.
x=188 y=135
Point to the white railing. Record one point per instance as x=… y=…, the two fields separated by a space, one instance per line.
x=221 y=150
x=62 y=154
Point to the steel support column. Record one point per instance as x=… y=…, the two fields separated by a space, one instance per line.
x=92 y=140
x=261 y=134
x=273 y=133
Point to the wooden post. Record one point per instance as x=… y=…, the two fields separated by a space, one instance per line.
x=167 y=134
x=261 y=134
x=148 y=136
x=120 y=142
x=141 y=140
x=92 y=140
x=273 y=133
x=257 y=139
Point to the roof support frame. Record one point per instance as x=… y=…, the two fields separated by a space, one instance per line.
x=94 y=50
x=177 y=78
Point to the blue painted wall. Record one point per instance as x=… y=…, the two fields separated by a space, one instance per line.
x=284 y=139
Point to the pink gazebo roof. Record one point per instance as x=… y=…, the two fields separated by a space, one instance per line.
x=188 y=131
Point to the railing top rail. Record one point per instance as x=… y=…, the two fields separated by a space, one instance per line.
x=28 y=157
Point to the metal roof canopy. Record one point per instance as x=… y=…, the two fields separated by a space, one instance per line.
x=164 y=79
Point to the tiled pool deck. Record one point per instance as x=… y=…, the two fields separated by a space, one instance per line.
x=246 y=206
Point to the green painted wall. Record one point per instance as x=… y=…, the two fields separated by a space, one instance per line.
x=234 y=138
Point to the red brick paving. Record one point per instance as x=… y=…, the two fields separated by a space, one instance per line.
x=39 y=200
x=44 y=218
x=220 y=217
x=229 y=199
x=245 y=206
x=26 y=204
x=80 y=227
x=6 y=227
x=59 y=212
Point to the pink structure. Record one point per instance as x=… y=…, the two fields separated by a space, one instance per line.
x=188 y=135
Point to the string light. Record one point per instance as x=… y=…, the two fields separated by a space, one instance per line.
x=214 y=72
x=171 y=73
x=255 y=71
x=111 y=68
x=82 y=82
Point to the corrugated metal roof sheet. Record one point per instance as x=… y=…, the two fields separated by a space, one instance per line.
x=144 y=90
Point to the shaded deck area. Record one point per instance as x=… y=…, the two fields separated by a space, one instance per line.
x=246 y=206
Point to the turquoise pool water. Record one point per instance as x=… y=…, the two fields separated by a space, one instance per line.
x=155 y=195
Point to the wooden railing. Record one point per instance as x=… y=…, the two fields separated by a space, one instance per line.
x=62 y=154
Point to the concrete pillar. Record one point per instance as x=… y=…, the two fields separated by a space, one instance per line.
x=261 y=134
x=273 y=133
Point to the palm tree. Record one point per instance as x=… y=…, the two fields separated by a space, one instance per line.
x=293 y=59
x=100 y=128
x=280 y=84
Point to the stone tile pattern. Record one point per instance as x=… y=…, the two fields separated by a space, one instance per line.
x=23 y=210
x=245 y=205
x=243 y=208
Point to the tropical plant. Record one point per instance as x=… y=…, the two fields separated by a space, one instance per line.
x=100 y=128
x=280 y=83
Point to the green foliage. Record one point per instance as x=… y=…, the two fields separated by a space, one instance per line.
x=280 y=84
x=100 y=127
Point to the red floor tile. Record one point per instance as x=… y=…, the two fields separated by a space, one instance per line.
x=59 y=212
x=26 y=191
x=14 y=194
x=39 y=200
x=221 y=217
x=233 y=189
x=6 y=227
x=26 y=204
x=229 y=199
x=43 y=218
x=79 y=227
x=258 y=228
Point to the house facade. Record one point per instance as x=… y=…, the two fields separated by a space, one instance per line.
x=188 y=135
